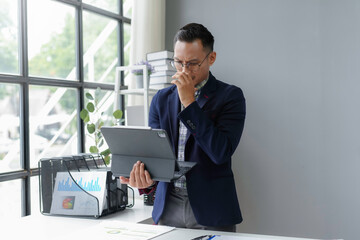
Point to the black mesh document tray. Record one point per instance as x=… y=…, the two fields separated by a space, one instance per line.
x=79 y=185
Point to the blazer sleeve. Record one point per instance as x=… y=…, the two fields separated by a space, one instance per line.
x=218 y=137
x=154 y=120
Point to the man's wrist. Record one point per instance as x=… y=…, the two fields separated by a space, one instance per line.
x=149 y=189
x=187 y=103
x=152 y=185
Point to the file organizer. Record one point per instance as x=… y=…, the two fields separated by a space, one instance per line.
x=65 y=188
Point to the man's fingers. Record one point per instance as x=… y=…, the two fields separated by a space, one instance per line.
x=132 y=180
x=142 y=175
x=181 y=75
x=137 y=174
x=139 y=177
x=124 y=180
x=176 y=82
x=149 y=181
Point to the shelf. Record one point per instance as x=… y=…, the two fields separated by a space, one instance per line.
x=146 y=92
x=139 y=91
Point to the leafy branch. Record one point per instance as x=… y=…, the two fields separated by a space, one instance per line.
x=92 y=117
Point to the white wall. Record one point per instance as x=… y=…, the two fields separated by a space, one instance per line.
x=297 y=167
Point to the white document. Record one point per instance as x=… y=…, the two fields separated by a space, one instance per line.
x=116 y=230
x=70 y=199
x=224 y=237
x=264 y=237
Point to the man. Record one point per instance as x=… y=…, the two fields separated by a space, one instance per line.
x=204 y=119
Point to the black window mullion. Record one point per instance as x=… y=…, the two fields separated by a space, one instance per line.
x=80 y=73
x=24 y=110
x=121 y=58
x=25 y=150
x=121 y=10
x=106 y=13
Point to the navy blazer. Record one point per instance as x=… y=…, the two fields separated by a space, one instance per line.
x=215 y=123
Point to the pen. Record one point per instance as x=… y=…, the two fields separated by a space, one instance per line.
x=204 y=237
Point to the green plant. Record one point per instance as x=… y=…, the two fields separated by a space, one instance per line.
x=93 y=118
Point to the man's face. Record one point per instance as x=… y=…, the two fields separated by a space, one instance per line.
x=194 y=52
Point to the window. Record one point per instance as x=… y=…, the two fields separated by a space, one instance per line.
x=11 y=199
x=48 y=61
x=110 y=5
x=100 y=47
x=10 y=127
x=52 y=122
x=9 y=38
x=51 y=40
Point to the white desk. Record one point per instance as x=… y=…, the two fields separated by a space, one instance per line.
x=41 y=227
x=187 y=234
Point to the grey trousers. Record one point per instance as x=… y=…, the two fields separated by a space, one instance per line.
x=178 y=213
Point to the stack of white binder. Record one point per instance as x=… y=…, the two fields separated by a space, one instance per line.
x=161 y=78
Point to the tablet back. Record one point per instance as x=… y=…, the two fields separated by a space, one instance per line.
x=150 y=146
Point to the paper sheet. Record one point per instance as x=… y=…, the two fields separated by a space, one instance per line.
x=111 y=230
x=69 y=199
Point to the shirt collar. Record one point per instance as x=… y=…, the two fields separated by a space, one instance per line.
x=201 y=84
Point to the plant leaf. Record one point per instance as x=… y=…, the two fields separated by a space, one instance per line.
x=118 y=114
x=94 y=149
x=83 y=114
x=106 y=152
x=101 y=124
x=91 y=128
x=101 y=142
x=87 y=119
x=89 y=96
x=107 y=159
x=90 y=106
x=99 y=135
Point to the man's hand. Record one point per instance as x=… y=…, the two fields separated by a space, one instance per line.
x=139 y=177
x=185 y=87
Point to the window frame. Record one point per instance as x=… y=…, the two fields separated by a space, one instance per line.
x=24 y=81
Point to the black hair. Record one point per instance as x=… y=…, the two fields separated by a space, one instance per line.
x=194 y=31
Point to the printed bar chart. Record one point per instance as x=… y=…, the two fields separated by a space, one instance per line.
x=69 y=185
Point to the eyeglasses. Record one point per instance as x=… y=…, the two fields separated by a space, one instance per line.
x=192 y=66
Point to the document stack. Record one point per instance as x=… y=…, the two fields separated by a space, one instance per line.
x=161 y=78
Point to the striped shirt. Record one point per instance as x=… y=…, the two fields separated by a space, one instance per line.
x=181 y=182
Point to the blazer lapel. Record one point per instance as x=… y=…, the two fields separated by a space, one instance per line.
x=205 y=94
x=207 y=91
